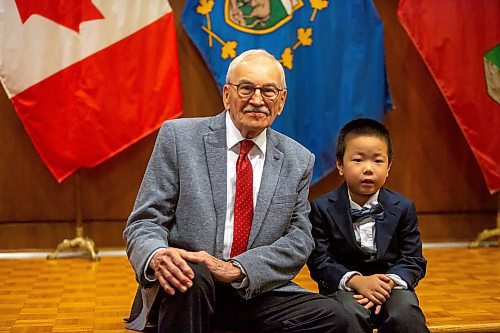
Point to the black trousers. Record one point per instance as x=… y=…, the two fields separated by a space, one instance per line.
x=208 y=305
x=400 y=313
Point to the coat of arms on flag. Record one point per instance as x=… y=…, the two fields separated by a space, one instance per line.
x=332 y=52
x=258 y=16
x=492 y=72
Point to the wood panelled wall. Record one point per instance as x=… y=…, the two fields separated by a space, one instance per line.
x=433 y=164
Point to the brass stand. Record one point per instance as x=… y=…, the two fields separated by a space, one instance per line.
x=488 y=233
x=80 y=242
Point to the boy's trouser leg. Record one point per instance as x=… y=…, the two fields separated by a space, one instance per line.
x=359 y=317
x=402 y=313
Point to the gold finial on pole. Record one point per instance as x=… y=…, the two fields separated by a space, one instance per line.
x=80 y=242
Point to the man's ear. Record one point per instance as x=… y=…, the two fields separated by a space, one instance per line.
x=340 y=167
x=282 y=101
x=225 y=96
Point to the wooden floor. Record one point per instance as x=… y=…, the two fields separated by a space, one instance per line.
x=461 y=293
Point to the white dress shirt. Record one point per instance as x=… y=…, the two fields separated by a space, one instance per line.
x=257 y=157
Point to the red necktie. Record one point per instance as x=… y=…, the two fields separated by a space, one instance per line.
x=243 y=201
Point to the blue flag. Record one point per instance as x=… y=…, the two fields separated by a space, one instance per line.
x=332 y=52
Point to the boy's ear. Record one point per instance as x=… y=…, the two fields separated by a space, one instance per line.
x=340 y=167
x=389 y=168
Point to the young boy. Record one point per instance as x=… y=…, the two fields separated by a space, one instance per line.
x=368 y=251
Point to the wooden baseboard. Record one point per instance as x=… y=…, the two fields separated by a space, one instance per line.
x=41 y=235
x=46 y=235
x=448 y=227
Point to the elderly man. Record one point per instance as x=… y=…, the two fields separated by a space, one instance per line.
x=220 y=225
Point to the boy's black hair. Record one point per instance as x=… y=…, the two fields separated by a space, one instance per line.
x=362 y=127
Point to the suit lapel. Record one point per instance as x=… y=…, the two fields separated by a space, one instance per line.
x=340 y=214
x=385 y=228
x=268 y=183
x=216 y=155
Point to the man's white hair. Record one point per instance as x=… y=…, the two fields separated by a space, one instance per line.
x=255 y=52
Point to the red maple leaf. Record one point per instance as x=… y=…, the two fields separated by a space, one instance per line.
x=68 y=13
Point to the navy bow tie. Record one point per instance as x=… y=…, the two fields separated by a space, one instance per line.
x=376 y=211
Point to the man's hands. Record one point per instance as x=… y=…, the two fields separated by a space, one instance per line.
x=373 y=290
x=221 y=270
x=173 y=272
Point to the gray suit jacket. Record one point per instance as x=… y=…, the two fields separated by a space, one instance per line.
x=182 y=203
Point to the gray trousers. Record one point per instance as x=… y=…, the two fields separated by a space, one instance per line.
x=400 y=313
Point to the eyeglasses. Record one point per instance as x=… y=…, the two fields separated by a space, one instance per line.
x=247 y=90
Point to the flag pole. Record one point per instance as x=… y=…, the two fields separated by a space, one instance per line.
x=80 y=242
x=488 y=233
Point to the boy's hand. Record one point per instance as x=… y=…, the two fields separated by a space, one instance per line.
x=376 y=288
x=367 y=304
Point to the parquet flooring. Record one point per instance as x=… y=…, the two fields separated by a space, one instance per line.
x=461 y=293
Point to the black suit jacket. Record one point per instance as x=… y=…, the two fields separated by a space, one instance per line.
x=399 y=246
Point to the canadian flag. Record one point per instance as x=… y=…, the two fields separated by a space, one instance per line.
x=89 y=78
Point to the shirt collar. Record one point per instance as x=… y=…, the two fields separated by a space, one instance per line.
x=233 y=136
x=372 y=201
